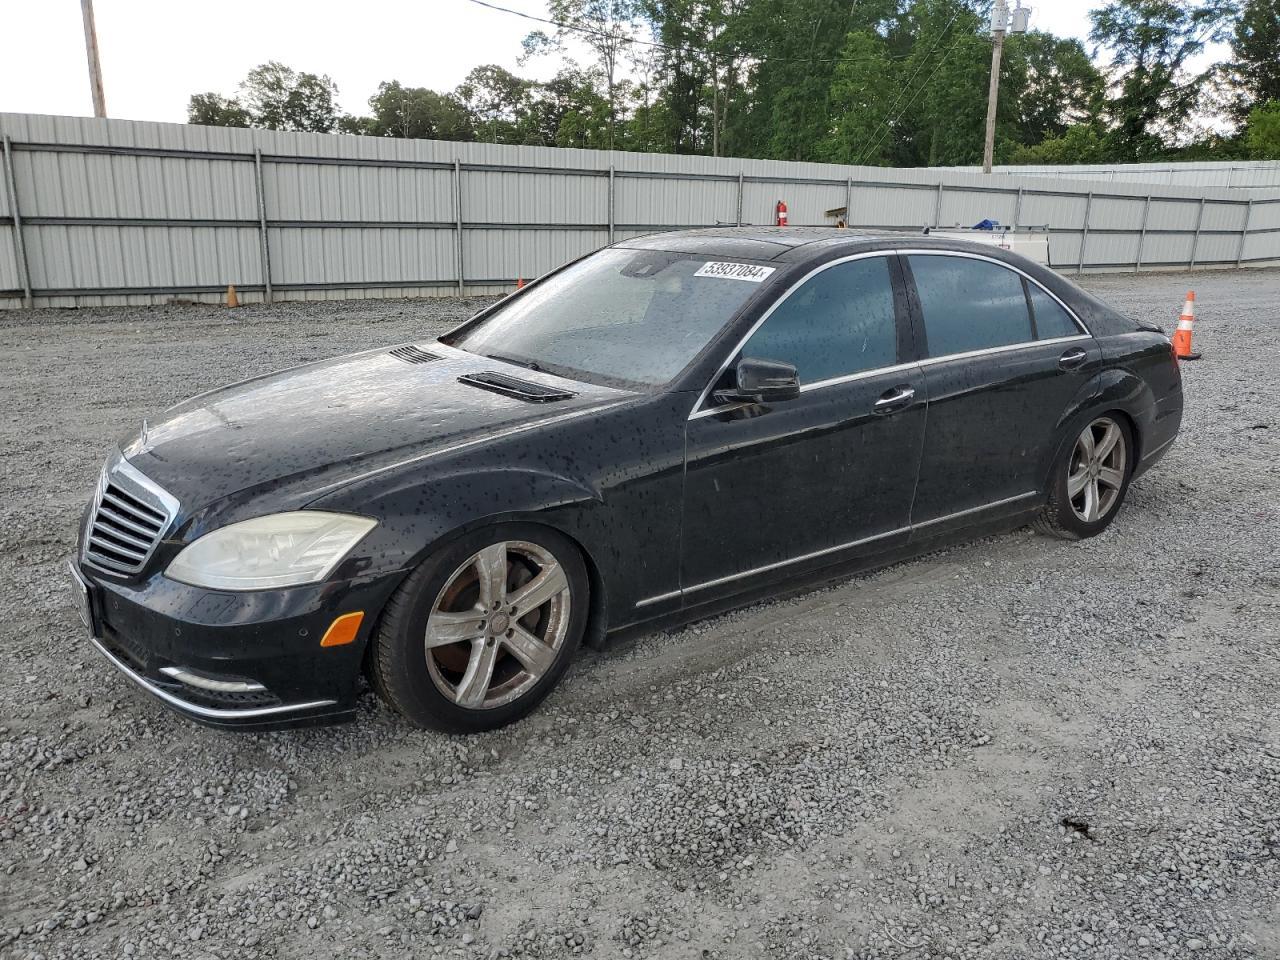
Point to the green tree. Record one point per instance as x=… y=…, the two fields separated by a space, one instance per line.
x=1082 y=143
x=1255 y=66
x=859 y=109
x=498 y=102
x=215 y=110
x=608 y=27
x=415 y=113
x=280 y=98
x=1055 y=85
x=1262 y=134
x=1150 y=43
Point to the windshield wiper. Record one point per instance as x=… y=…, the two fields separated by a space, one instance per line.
x=527 y=364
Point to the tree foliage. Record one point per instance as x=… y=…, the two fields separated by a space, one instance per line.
x=884 y=82
x=1254 y=70
x=275 y=97
x=1263 y=132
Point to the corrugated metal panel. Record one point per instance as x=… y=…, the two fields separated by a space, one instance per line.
x=504 y=197
x=1169 y=215
x=1111 y=213
x=1217 y=248
x=508 y=254
x=689 y=202
x=1111 y=248
x=8 y=261
x=966 y=208
x=359 y=255
x=1058 y=212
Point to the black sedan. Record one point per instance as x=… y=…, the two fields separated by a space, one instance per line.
x=668 y=427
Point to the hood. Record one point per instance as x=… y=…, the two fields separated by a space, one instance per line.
x=315 y=426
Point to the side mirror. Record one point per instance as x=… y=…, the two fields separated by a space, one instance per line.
x=761 y=381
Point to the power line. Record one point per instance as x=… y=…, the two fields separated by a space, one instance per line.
x=687 y=53
x=924 y=86
x=888 y=124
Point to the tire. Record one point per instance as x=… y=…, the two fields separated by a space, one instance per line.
x=1076 y=512
x=453 y=651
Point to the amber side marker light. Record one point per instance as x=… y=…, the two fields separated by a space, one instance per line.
x=343 y=630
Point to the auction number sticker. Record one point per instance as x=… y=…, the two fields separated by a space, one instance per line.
x=735 y=271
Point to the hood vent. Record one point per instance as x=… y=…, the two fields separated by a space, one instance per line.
x=412 y=354
x=515 y=387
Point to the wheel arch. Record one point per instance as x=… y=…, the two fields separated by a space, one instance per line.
x=1115 y=391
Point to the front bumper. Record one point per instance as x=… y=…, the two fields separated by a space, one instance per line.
x=250 y=660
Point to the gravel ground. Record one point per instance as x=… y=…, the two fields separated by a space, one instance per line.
x=1015 y=748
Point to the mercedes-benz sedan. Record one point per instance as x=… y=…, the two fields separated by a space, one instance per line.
x=667 y=427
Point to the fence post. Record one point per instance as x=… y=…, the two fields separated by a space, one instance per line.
x=1084 y=236
x=739 y=198
x=268 y=294
x=19 y=248
x=937 y=208
x=611 y=203
x=1244 y=234
x=1195 y=240
x=1142 y=237
x=457 y=220
x=1017 y=209
x=848 y=201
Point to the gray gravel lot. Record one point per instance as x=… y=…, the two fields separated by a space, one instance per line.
x=1016 y=748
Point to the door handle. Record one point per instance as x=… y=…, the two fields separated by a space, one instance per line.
x=894 y=399
x=1073 y=358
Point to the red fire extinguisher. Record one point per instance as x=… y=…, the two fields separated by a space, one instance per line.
x=782 y=213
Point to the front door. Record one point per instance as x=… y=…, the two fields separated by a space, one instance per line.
x=772 y=490
x=1003 y=361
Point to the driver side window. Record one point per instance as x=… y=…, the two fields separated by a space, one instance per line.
x=839 y=322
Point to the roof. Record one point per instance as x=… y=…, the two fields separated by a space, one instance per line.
x=766 y=243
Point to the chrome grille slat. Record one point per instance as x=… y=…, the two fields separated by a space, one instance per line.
x=112 y=536
x=114 y=497
x=130 y=515
x=124 y=523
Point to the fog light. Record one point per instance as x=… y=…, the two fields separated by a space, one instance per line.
x=343 y=630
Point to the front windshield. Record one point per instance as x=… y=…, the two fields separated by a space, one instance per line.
x=632 y=318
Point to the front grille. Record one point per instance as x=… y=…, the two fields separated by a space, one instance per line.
x=130 y=516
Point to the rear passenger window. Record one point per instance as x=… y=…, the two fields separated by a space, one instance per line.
x=839 y=322
x=969 y=304
x=1051 y=320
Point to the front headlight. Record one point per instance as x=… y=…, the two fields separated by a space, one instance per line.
x=280 y=550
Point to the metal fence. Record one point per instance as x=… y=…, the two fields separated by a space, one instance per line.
x=1234 y=174
x=113 y=211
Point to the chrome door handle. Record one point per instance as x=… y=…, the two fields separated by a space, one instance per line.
x=1073 y=358
x=895 y=399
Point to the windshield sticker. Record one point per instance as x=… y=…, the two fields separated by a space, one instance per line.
x=735 y=271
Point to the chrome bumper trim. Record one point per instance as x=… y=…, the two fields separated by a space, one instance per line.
x=210 y=713
x=193 y=679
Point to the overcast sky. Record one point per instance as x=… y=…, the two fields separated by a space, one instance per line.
x=156 y=53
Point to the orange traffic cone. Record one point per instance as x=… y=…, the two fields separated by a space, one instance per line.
x=1182 y=336
x=232 y=299
x=519 y=283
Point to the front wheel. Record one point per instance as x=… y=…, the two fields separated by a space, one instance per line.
x=1089 y=484
x=482 y=630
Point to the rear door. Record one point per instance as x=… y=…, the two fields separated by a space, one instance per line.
x=773 y=489
x=1003 y=359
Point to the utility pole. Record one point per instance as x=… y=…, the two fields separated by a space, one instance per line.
x=999 y=25
x=95 y=68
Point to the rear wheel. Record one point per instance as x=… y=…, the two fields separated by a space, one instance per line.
x=483 y=630
x=1089 y=484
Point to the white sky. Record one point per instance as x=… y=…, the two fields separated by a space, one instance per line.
x=156 y=53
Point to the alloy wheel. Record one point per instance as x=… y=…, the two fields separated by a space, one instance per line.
x=498 y=624
x=1096 y=473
